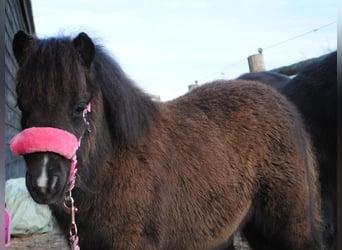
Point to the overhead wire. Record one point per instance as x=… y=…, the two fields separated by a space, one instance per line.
x=266 y=48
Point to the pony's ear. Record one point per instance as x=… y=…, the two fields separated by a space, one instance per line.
x=85 y=47
x=20 y=43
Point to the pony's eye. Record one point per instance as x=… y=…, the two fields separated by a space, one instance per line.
x=79 y=109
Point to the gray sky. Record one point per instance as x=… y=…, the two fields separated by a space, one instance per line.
x=165 y=45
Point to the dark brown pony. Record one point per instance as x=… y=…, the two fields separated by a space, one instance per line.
x=314 y=92
x=186 y=174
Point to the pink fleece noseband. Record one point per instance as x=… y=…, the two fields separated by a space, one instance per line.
x=47 y=139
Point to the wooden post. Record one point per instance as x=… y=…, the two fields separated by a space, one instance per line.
x=256 y=63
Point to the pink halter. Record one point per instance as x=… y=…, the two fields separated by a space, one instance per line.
x=48 y=139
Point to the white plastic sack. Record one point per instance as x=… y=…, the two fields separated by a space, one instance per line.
x=27 y=216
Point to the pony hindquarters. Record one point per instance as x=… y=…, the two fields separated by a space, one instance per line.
x=287 y=212
x=287 y=208
x=244 y=143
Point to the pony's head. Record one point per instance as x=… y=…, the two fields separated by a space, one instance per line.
x=54 y=94
x=57 y=81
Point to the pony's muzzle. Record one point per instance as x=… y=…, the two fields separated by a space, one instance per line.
x=49 y=152
x=41 y=194
x=46 y=176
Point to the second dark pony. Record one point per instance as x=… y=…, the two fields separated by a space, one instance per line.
x=186 y=174
x=270 y=78
x=314 y=92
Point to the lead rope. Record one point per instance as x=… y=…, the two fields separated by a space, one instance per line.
x=69 y=206
x=69 y=203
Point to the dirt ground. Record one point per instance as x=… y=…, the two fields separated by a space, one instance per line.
x=56 y=241
x=47 y=241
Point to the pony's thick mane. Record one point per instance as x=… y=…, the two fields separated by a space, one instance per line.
x=59 y=60
x=130 y=111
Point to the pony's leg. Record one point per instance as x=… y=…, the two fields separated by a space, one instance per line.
x=329 y=208
x=280 y=239
x=282 y=220
x=255 y=239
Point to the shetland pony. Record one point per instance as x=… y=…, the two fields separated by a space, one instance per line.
x=185 y=174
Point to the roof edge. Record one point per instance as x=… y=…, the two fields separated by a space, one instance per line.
x=26 y=8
